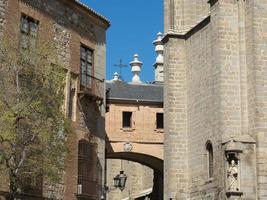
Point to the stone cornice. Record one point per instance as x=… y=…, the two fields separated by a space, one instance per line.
x=186 y=34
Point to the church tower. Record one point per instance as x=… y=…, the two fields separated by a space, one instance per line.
x=215 y=68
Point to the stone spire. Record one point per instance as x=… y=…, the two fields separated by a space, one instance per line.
x=136 y=66
x=116 y=76
x=159 y=74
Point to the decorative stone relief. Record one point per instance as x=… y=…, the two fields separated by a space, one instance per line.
x=128 y=146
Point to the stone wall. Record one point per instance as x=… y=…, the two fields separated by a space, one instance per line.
x=202 y=105
x=180 y=15
x=3 y=9
x=214 y=90
x=260 y=87
x=139 y=179
x=175 y=110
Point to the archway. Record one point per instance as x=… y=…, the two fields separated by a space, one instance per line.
x=152 y=162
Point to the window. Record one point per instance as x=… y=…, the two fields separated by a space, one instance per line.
x=126 y=119
x=28 y=29
x=209 y=150
x=87 y=168
x=86 y=59
x=159 y=121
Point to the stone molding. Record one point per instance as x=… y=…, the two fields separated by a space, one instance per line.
x=184 y=35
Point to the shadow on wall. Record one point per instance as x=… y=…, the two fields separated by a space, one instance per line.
x=93 y=119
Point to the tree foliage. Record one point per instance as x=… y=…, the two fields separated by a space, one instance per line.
x=32 y=123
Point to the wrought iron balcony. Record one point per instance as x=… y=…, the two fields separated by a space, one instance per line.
x=92 y=87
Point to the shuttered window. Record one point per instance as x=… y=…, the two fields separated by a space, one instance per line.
x=87 y=168
x=29 y=30
x=86 y=62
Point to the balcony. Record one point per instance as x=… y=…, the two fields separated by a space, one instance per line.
x=91 y=87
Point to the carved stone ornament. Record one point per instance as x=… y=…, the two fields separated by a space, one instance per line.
x=127 y=146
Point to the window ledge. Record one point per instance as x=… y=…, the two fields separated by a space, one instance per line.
x=85 y=196
x=127 y=129
x=159 y=130
x=234 y=193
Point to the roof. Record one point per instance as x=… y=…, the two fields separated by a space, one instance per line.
x=93 y=12
x=119 y=90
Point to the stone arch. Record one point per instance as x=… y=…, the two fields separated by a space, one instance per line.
x=154 y=163
x=147 y=160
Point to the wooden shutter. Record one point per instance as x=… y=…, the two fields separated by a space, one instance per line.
x=87 y=168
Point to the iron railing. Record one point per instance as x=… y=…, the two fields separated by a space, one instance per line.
x=92 y=86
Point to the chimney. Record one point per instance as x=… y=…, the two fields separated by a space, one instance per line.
x=159 y=73
x=136 y=69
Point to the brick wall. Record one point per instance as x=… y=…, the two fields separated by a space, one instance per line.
x=145 y=138
x=69 y=25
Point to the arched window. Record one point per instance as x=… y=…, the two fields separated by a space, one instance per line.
x=209 y=150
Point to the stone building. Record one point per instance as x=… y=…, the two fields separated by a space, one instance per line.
x=78 y=33
x=215 y=100
x=134 y=126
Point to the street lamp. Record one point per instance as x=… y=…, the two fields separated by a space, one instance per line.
x=123 y=179
x=120 y=180
x=116 y=181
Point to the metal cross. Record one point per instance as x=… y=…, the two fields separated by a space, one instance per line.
x=120 y=65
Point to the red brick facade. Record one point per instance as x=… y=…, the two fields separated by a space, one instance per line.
x=69 y=24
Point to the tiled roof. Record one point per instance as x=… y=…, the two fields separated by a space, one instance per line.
x=119 y=90
x=93 y=11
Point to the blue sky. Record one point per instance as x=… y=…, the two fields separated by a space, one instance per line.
x=134 y=25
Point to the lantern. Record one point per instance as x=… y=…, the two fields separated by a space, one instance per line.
x=116 y=181
x=123 y=179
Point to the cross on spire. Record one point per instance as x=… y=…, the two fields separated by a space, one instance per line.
x=120 y=65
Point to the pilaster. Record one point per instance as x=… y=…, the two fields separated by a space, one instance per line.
x=175 y=120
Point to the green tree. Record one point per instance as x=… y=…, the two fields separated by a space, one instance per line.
x=33 y=127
